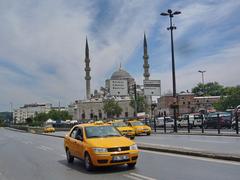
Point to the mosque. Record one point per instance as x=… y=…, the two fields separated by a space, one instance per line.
x=92 y=106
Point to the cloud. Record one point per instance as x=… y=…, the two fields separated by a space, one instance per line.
x=42 y=45
x=46 y=39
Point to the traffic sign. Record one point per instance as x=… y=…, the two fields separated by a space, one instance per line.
x=118 y=87
x=152 y=87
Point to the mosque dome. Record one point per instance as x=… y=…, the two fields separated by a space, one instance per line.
x=121 y=75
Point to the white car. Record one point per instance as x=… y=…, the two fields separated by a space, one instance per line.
x=195 y=120
x=160 y=122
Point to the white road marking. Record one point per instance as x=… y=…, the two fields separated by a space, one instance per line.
x=141 y=176
x=168 y=146
x=45 y=148
x=27 y=142
x=131 y=177
x=194 y=157
x=207 y=141
x=2 y=177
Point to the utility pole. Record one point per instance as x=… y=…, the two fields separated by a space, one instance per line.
x=171 y=14
x=135 y=99
x=202 y=72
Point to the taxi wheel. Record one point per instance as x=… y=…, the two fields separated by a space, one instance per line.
x=131 y=165
x=88 y=162
x=70 y=158
x=148 y=134
x=132 y=137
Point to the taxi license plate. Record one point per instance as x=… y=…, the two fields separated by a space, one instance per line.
x=120 y=158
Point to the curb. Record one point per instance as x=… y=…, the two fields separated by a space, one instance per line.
x=159 y=148
x=197 y=134
x=189 y=152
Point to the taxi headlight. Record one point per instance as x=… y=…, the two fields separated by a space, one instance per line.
x=99 y=150
x=133 y=147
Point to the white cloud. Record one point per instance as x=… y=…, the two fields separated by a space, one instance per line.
x=49 y=36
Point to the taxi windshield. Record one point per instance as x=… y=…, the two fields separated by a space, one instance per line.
x=119 y=124
x=101 y=131
x=137 y=123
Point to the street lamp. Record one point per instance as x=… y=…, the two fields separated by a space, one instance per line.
x=171 y=28
x=202 y=72
x=203 y=89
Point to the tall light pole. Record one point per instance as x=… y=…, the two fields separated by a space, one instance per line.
x=203 y=89
x=202 y=72
x=171 y=28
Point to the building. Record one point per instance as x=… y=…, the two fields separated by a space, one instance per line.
x=205 y=103
x=121 y=74
x=187 y=103
x=29 y=111
x=93 y=108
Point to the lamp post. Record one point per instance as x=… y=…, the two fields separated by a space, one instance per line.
x=203 y=89
x=171 y=28
x=202 y=72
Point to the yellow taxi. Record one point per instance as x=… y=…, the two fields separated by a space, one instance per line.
x=99 y=144
x=139 y=127
x=48 y=129
x=123 y=128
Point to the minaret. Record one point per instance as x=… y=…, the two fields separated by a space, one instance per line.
x=145 y=58
x=87 y=70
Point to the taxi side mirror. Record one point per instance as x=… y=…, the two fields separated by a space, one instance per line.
x=80 y=138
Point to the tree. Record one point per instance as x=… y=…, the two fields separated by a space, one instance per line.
x=231 y=100
x=142 y=106
x=209 y=89
x=40 y=118
x=111 y=108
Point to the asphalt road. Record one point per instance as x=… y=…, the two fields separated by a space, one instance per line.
x=25 y=156
x=219 y=144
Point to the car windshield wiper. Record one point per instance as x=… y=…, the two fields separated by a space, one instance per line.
x=111 y=135
x=95 y=136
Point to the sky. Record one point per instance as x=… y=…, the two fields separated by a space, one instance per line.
x=42 y=45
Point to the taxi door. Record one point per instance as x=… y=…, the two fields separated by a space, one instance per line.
x=72 y=141
x=79 y=143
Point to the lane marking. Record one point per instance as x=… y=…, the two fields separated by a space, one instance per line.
x=131 y=177
x=194 y=157
x=45 y=148
x=27 y=142
x=169 y=146
x=141 y=176
x=2 y=176
x=209 y=141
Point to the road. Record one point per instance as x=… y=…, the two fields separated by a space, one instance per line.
x=219 y=144
x=25 y=156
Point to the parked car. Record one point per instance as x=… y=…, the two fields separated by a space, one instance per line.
x=195 y=120
x=183 y=121
x=160 y=122
x=225 y=120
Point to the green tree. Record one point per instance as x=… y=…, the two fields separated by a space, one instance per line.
x=1 y=121
x=231 y=100
x=111 y=108
x=142 y=106
x=209 y=89
x=40 y=118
